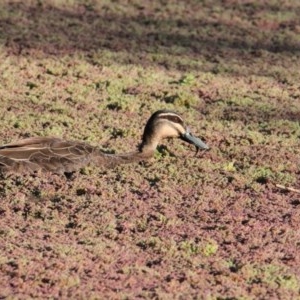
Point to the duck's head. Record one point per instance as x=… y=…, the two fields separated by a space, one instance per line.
x=167 y=124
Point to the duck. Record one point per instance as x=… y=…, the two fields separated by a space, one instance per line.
x=65 y=156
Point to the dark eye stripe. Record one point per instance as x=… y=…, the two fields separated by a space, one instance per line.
x=172 y=118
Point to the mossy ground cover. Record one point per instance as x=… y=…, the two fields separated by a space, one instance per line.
x=211 y=226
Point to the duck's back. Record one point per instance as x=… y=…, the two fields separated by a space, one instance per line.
x=44 y=153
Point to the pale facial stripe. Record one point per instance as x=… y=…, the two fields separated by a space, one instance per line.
x=172 y=117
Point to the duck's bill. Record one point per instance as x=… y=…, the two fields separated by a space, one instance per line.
x=188 y=137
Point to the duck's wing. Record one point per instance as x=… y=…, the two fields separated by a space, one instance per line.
x=45 y=153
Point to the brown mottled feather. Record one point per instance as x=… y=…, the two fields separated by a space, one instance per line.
x=58 y=156
x=45 y=153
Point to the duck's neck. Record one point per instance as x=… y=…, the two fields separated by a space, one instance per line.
x=145 y=151
x=112 y=160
